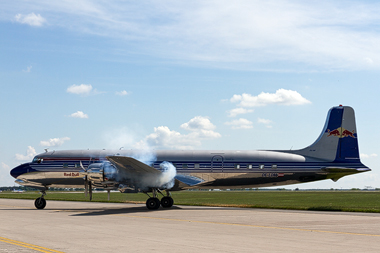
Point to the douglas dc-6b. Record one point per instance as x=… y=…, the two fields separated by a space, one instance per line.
x=333 y=155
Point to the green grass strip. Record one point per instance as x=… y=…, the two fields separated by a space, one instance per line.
x=348 y=201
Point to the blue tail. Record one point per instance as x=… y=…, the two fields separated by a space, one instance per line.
x=339 y=140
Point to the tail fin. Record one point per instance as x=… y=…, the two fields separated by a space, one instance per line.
x=338 y=140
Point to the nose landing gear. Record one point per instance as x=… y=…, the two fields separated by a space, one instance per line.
x=40 y=202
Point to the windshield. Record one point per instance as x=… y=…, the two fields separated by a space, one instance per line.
x=37 y=160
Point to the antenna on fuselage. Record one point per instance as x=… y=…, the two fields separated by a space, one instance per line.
x=46 y=150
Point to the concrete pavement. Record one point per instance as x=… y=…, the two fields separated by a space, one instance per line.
x=109 y=227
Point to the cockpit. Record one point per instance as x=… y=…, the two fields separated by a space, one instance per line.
x=37 y=160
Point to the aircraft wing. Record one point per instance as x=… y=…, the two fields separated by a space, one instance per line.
x=131 y=165
x=140 y=175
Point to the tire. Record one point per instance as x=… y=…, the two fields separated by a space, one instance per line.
x=167 y=202
x=40 y=203
x=153 y=203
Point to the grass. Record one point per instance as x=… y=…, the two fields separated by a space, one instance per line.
x=348 y=201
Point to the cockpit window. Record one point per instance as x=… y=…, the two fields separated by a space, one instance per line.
x=37 y=160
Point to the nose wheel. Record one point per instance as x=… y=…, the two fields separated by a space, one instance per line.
x=40 y=202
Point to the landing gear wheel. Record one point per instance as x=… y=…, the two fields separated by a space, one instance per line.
x=40 y=203
x=153 y=203
x=167 y=202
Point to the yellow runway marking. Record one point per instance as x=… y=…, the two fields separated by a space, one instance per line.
x=254 y=226
x=27 y=245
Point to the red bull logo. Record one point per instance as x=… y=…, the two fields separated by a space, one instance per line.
x=341 y=133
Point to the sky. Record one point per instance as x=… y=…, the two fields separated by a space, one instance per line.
x=200 y=75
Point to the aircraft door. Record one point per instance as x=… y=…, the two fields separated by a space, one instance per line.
x=217 y=164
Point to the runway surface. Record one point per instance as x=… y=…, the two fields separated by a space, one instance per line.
x=109 y=227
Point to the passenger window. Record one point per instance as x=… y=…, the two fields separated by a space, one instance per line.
x=65 y=165
x=237 y=166
x=196 y=166
x=261 y=166
x=184 y=165
x=249 y=166
x=274 y=166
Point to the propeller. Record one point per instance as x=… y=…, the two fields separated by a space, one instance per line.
x=87 y=184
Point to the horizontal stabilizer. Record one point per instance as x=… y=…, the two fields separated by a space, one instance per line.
x=335 y=173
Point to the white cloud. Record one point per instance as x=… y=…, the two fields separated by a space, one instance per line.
x=30 y=153
x=79 y=114
x=200 y=129
x=54 y=142
x=237 y=111
x=272 y=35
x=240 y=124
x=266 y=122
x=198 y=123
x=121 y=138
x=295 y=35
x=30 y=19
x=82 y=89
x=365 y=156
x=164 y=137
x=4 y=166
x=28 y=69
x=281 y=97
x=122 y=93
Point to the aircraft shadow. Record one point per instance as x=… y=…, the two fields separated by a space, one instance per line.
x=132 y=210
x=124 y=210
x=110 y=211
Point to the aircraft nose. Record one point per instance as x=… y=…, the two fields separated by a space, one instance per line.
x=19 y=170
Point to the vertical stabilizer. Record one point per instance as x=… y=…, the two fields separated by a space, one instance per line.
x=338 y=140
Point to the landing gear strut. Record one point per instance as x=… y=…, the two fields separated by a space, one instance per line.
x=153 y=203
x=40 y=202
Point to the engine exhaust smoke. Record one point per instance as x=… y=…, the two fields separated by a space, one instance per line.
x=164 y=180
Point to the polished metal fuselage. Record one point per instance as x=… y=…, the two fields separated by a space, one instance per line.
x=195 y=169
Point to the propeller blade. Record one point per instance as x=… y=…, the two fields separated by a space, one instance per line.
x=86 y=186
x=81 y=165
x=90 y=189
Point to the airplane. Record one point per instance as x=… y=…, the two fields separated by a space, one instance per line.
x=333 y=155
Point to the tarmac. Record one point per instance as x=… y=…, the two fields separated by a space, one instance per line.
x=109 y=227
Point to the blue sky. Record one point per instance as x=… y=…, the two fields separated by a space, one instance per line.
x=179 y=75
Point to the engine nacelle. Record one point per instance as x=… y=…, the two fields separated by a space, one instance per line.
x=101 y=172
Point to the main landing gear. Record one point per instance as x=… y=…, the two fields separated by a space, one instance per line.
x=40 y=202
x=154 y=203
